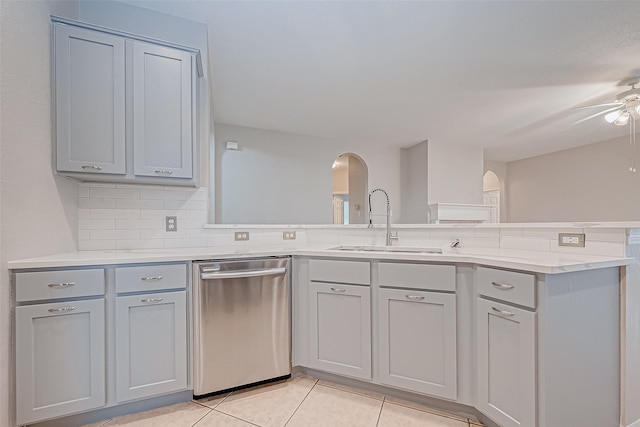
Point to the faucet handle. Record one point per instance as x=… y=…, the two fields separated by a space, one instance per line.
x=393 y=236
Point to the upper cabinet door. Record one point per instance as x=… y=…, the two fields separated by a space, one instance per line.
x=90 y=101
x=162 y=103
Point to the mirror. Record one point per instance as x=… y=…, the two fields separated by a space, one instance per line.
x=349 y=179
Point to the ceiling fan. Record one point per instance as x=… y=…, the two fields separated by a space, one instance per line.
x=625 y=110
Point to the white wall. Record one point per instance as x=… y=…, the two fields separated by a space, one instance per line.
x=284 y=178
x=589 y=183
x=454 y=173
x=415 y=184
x=38 y=211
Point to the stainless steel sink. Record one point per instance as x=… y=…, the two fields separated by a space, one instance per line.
x=401 y=249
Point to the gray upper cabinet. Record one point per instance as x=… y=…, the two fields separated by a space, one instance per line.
x=162 y=125
x=90 y=101
x=124 y=108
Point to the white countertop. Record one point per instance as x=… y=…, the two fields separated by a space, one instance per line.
x=534 y=261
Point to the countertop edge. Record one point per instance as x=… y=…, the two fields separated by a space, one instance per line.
x=547 y=263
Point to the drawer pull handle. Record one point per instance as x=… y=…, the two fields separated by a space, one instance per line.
x=339 y=290
x=151 y=278
x=151 y=300
x=92 y=167
x=61 y=285
x=415 y=297
x=164 y=172
x=61 y=310
x=502 y=286
x=502 y=312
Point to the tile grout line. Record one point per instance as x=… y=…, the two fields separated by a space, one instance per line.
x=302 y=401
x=200 y=419
x=384 y=398
x=431 y=411
x=237 y=418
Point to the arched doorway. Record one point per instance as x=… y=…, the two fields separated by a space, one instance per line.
x=491 y=190
x=350 y=183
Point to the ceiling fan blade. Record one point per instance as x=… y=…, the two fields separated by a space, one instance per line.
x=600 y=113
x=608 y=104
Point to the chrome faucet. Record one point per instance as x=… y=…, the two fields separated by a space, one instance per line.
x=390 y=236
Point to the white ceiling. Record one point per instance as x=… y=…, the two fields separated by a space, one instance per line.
x=503 y=76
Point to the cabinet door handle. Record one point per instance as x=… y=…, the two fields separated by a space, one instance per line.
x=164 y=172
x=151 y=300
x=61 y=285
x=414 y=297
x=502 y=312
x=151 y=278
x=339 y=290
x=92 y=167
x=61 y=310
x=502 y=286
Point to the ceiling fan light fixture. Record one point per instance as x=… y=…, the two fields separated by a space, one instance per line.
x=613 y=116
x=623 y=120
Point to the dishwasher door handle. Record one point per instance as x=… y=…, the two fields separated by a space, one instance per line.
x=243 y=273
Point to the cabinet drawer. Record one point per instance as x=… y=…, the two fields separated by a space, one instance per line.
x=418 y=276
x=509 y=286
x=151 y=277
x=42 y=285
x=324 y=270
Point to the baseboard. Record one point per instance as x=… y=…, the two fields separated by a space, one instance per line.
x=103 y=414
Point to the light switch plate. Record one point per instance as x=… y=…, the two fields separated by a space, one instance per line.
x=575 y=240
x=241 y=236
x=288 y=235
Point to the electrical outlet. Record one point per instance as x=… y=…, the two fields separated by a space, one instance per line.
x=571 y=239
x=171 y=223
x=288 y=235
x=241 y=235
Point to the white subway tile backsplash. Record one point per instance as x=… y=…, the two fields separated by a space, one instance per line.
x=115 y=234
x=114 y=193
x=139 y=224
x=162 y=195
x=83 y=191
x=122 y=216
x=528 y=244
x=138 y=204
x=96 y=224
x=95 y=203
x=115 y=213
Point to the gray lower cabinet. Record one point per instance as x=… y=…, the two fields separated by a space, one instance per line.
x=418 y=341
x=506 y=363
x=340 y=329
x=151 y=344
x=60 y=359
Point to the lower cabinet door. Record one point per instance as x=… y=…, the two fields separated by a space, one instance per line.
x=340 y=323
x=506 y=371
x=418 y=341
x=151 y=344
x=60 y=362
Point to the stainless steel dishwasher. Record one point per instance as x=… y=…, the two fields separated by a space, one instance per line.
x=242 y=323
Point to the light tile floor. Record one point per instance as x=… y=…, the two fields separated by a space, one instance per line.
x=299 y=402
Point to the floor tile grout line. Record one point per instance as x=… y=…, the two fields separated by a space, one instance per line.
x=237 y=418
x=302 y=401
x=200 y=419
x=384 y=398
x=352 y=391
